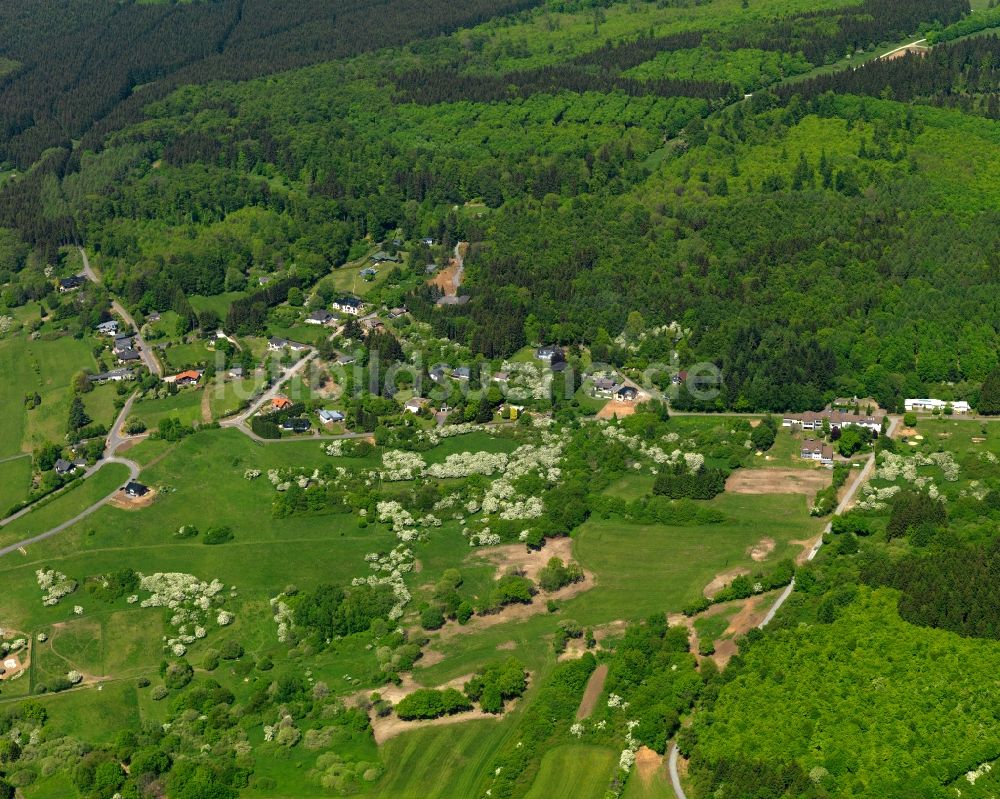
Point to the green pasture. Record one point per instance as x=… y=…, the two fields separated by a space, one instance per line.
x=575 y=771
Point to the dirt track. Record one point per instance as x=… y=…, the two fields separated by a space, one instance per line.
x=595 y=686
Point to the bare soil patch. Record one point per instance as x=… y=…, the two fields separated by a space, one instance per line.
x=507 y=646
x=575 y=647
x=391 y=726
x=530 y=562
x=206 y=407
x=722 y=579
x=447 y=279
x=614 y=409
x=906 y=432
x=120 y=500
x=777 y=481
x=647 y=763
x=595 y=686
x=761 y=549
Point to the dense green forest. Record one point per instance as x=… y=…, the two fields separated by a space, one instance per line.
x=798 y=235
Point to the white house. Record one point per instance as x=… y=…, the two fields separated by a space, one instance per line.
x=931 y=405
x=348 y=305
x=329 y=417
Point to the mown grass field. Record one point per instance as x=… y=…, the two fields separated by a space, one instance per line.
x=65 y=505
x=15 y=482
x=184 y=405
x=574 y=771
x=642 y=569
x=45 y=367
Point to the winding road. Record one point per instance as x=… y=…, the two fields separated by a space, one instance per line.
x=112 y=443
x=845 y=501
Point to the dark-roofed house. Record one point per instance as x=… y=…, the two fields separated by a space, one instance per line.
x=135 y=489
x=109 y=328
x=128 y=356
x=368 y=271
x=348 y=305
x=462 y=373
x=297 y=424
x=63 y=466
x=276 y=344
x=319 y=317
x=115 y=375
x=344 y=359
x=71 y=283
x=626 y=394
x=382 y=256
x=604 y=387
x=123 y=342
x=812 y=449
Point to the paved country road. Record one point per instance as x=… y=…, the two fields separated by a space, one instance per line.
x=846 y=500
x=113 y=442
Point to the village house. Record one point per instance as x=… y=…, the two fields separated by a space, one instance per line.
x=348 y=305
x=679 y=378
x=812 y=449
x=115 y=376
x=395 y=313
x=428 y=241
x=931 y=405
x=123 y=342
x=500 y=377
x=381 y=257
x=368 y=272
x=276 y=344
x=329 y=417
x=236 y=372
x=415 y=405
x=280 y=404
x=64 y=467
x=345 y=359
x=71 y=283
x=371 y=324
x=626 y=394
x=604 y=387
x=187 y=378
x=812 y=420
x=297 y=425
x=128 y=356
x=135 y=489
x=550 y=354
x=320 y=317
x=462 y=373
x=438 y=374
x=109 y=328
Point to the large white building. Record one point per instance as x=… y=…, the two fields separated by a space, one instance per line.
x=930 y=405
